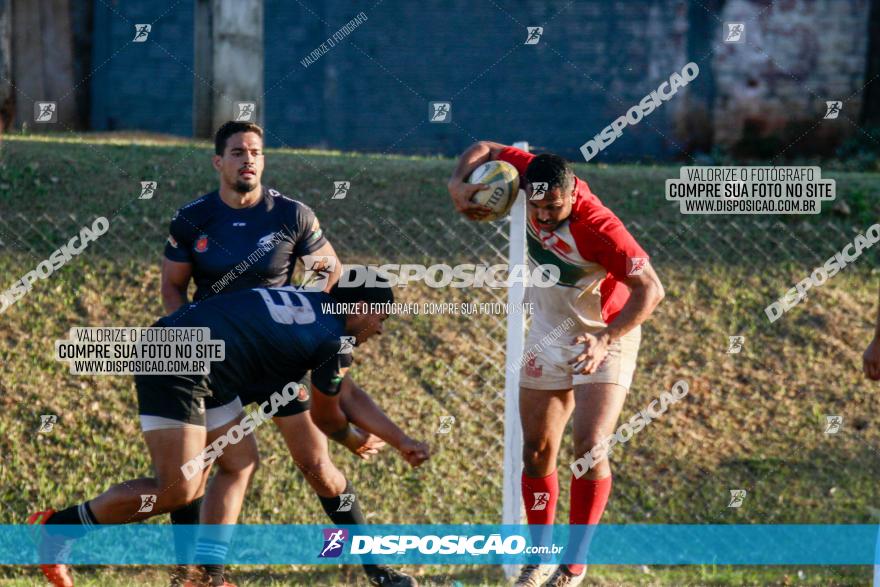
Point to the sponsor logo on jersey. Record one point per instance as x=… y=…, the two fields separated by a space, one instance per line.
x=267 y=242
x=201 y=243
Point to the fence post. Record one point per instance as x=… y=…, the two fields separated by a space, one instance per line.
x=516 y=323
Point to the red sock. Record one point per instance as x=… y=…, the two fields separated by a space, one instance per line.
x=540 y=495
x=588 y=500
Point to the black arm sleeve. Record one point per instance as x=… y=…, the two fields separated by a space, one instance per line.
x=331 y=365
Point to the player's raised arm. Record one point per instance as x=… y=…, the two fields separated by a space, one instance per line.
x=461 y=191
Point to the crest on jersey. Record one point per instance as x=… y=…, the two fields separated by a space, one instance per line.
x=533 y=369
x=201 y=243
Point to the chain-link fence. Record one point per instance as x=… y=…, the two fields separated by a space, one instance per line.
x=749 y=241
x=460 y=363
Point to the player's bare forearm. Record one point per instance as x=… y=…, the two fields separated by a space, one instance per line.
x=327 y=413
x=334 y=276
x=646 y=293
x=175 y=282
x=172 y=298
x=361 y=410
x=474 y=156
x=461 y=191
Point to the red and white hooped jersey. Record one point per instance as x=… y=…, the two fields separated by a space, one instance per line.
x=594 y=253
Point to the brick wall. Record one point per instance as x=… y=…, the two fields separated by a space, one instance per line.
x=370 y=92
x=145 y=86
x=772 y=88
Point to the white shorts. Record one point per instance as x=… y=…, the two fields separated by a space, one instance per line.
x=545 y=364
x=214 y=418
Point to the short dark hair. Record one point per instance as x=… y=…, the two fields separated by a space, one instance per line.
x=374 y=289
x=230 y=128
x=552 y=169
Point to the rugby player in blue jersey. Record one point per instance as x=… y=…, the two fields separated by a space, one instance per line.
x=273 y=335
x=240 y=236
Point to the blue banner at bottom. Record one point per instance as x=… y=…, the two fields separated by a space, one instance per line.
x=434 y=544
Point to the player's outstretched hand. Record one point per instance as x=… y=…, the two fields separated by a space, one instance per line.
x=414 y=452
x=595 y=350
x=461 y=193
x=364 y=444
x=871 y=360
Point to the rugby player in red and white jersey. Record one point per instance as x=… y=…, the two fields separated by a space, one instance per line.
x=606 y=289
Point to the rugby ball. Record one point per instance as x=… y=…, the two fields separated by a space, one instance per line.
x=503 y=181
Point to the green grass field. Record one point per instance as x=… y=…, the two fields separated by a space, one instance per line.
x=752 y=420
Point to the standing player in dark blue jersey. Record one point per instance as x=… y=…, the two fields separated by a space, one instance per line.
x=241 y=236
x=272 y=335
x=244 y=234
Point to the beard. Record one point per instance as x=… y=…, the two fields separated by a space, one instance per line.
x=243 y=186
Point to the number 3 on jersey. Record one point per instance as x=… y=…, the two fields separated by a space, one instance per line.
x=287 y=312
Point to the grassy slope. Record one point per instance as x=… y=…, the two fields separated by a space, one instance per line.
x=752 y=420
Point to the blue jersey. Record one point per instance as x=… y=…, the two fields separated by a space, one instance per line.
x=271 y=335
x=232 y=249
